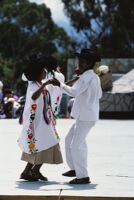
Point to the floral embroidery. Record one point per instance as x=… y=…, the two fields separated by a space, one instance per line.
x=48 y=113
x=30 y=136
x=31 y=126
x=31 y=146
x=34 y=106
x=32 y=116
x=56 y=133
x=54 y=124
x=58 y=98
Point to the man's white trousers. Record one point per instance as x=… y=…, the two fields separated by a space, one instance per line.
x=76 y=147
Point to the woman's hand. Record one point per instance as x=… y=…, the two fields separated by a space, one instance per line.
x=54 y=82
x=40 y=90
x=46 y=83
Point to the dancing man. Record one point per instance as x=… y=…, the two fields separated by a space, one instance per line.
x=87 y=92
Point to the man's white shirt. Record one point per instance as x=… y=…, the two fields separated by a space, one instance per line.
x=87 y=92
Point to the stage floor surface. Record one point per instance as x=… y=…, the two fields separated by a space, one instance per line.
x=110 y=162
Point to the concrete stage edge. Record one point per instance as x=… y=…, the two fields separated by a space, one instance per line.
x=17 y=197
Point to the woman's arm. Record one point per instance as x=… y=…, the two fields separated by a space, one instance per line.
x=39 y=91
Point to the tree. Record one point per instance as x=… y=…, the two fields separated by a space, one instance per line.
x=27 y=27
x=6 y=73
x=104 y=23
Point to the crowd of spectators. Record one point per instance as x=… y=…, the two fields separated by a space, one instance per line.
x=11 y=105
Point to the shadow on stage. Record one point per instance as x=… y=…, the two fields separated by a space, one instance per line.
x=25 y=185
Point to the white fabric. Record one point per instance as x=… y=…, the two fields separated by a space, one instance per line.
x=55 y=91
x=1 y=84
x=103 y=69
x=16 y=106
x=44 y=135
x=24 y=77
x=125 y=84
x=76 y=147
x=60 y=77
x=87 y=92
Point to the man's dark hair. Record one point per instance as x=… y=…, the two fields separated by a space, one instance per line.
x=91 y=63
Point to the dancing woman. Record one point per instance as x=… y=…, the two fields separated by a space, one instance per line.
x=39 y=140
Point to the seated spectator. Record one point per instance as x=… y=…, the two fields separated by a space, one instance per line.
x=10 y=108
x=9 y=94
x=1 y=92
x=20 y=110
x=7 y=109
x=76 y=71
x=70 y=105
x=2 y=114
x=105 y=77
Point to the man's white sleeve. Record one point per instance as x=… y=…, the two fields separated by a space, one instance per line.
x=75 y=90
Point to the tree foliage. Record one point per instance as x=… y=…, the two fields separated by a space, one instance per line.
x=27 y=27
x=106 y=23
x=6 y=73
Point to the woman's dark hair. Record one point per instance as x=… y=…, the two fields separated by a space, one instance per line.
x=51 y=64
x=35 y=67
x=37 y=64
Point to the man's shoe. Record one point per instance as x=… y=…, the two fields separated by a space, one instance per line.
x=85 y=180
x=70 y=173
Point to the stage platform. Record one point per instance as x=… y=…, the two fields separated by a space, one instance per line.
x=110 y=165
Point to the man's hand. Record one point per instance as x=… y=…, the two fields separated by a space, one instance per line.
x=72 y=81
x=54 y=82
x=76 y=78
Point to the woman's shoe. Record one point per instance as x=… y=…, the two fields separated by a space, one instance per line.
x=28 y=177
x=39 y=176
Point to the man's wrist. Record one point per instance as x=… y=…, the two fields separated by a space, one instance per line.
x=62 y=85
